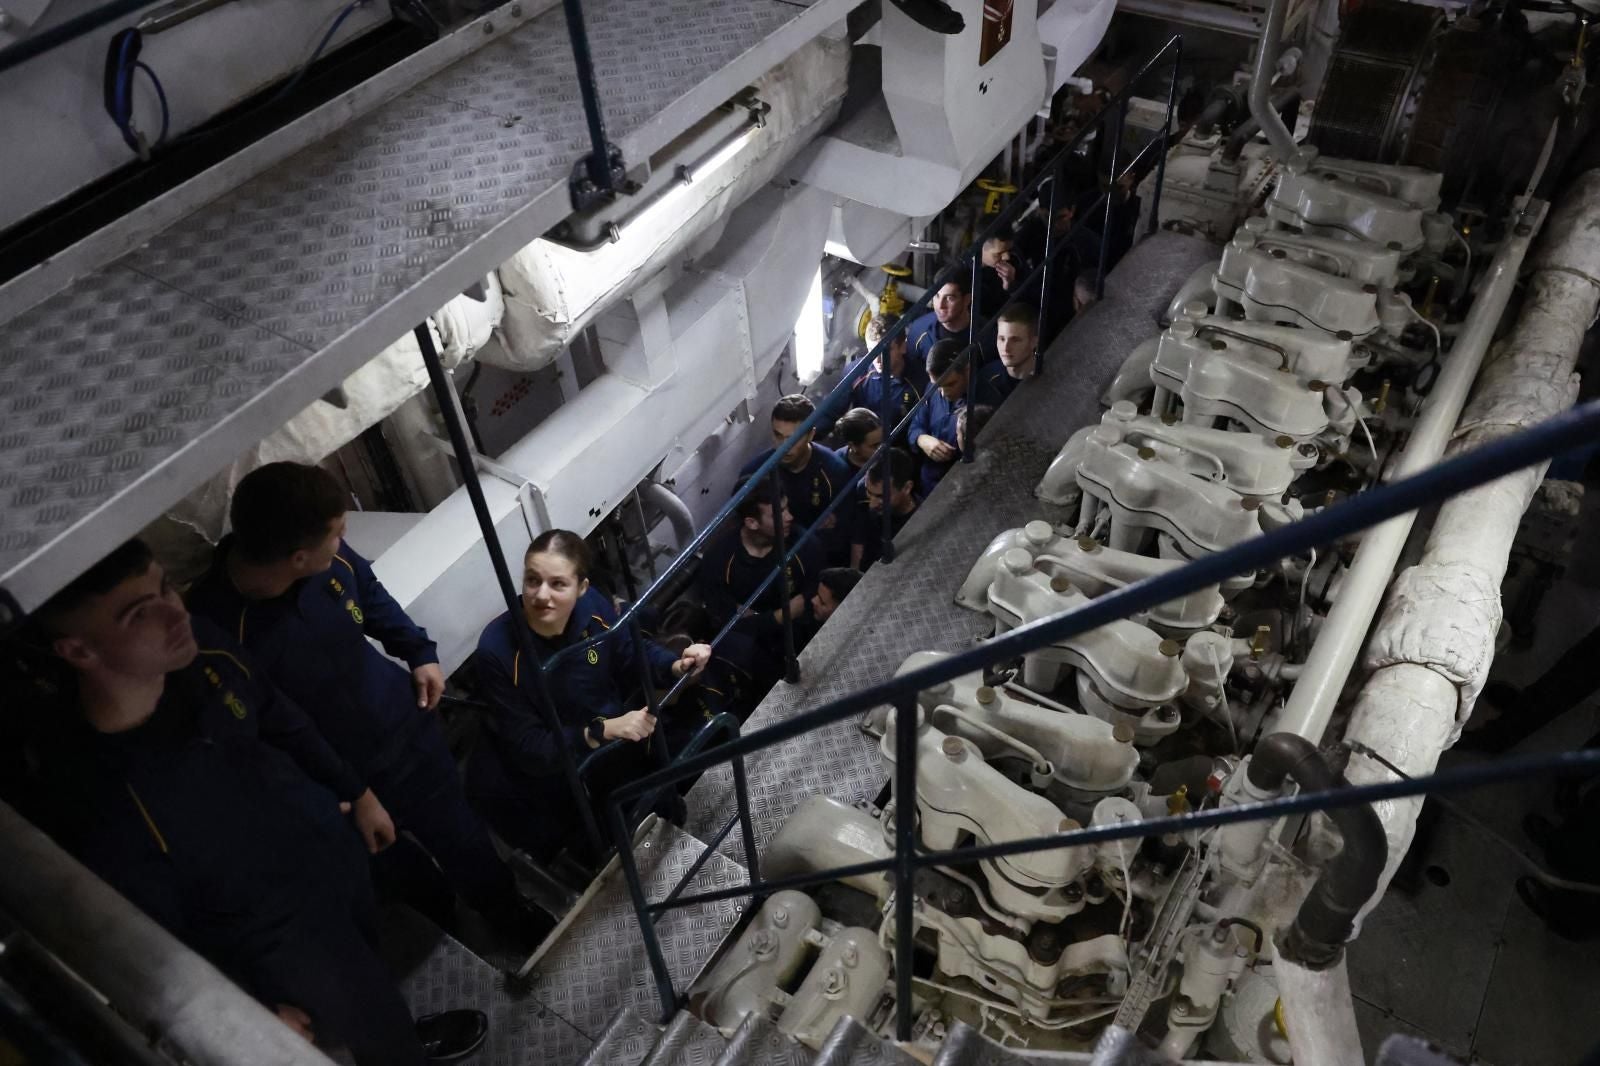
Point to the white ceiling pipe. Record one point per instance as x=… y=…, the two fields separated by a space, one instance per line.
x=1311 y=703
x=1433 y=647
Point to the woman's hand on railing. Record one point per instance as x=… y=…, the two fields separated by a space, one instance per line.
x=693 y=662
x=635 y=725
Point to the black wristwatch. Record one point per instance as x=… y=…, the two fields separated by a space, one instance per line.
x=596 y=730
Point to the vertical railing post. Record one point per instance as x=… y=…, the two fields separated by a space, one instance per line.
x=1166 y=136
x=905 y=854
x=1046 y=276
x=890 y=417
x=658 y=739
x=791 y=663
x=647 y=925
x=1111 y=196
x=491 y=543
x=599 y=168
x=969 y=448
x=741 y=796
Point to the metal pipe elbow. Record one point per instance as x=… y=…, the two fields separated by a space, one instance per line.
x=1326 y=919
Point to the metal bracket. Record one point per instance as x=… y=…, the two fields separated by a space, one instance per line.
x=587 y=184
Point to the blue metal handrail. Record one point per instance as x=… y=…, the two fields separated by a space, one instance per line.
x=1525 y=448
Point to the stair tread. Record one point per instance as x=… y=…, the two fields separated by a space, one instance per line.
x=688 y=1041
x=627 y=1041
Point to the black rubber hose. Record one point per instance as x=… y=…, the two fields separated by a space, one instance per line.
x=1282 y=100
x=1324 y=922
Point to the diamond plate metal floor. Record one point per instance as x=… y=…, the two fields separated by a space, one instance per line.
x=599 y=967
x=124 y=391
x=908 y=605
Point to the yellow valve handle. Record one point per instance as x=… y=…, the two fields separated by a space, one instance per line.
x=861 y=324
x=895 y=270
x=995 y=189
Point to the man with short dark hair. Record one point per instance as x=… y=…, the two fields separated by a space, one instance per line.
x=176 y=772
x=303 y=603
x=933 y=427
x=811 y=476
x=949 y=320
x=736 y=562
x=868 y=390
x=866 y=512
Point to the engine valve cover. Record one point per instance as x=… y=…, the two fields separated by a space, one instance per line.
x=1145 y=492
x=1089 y=565
x=1086 y=752
x=959 y=793
x=1325 y=203
x=1360 y=261
x=1309 y=354
x=1228 y=383
x=1416 y=186
x=1272 y=289
x=1129 y=662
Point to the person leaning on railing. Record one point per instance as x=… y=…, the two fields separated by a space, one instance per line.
x=515 y=774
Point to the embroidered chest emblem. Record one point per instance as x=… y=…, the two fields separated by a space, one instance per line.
x=355 y=611
x=234 y=704
x=593 y=657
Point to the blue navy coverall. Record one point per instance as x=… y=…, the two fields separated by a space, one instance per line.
x=937 y=418
x=809 y=489
x=868 y=392
x=516 y=777
x=926 y=331
x=865 y=528
x=312 y=643
x=219 y=818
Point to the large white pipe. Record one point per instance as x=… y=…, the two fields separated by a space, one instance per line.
x=1311 y=703
x=1319 y=1014
x=1433 y=647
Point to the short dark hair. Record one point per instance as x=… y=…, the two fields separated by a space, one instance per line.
x=946 y=356
x=282 y=508
x=959 y=279
x=750 y=506
x=795 y=407
x=902 y=468
x=565 y=543
x=839 y=580
x=130 y=559
x=970 y=422
x=1021 y=314
x=857 y=424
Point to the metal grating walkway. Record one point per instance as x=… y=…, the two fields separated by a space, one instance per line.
x=123 y=392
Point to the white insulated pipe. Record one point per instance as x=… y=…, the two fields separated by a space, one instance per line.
x=1311 y=703
x=1431 y=651
x=1319 y=1013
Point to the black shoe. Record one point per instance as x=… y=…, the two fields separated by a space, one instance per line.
x=452 y=1034
x=935 y=15
x=1565 y=914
